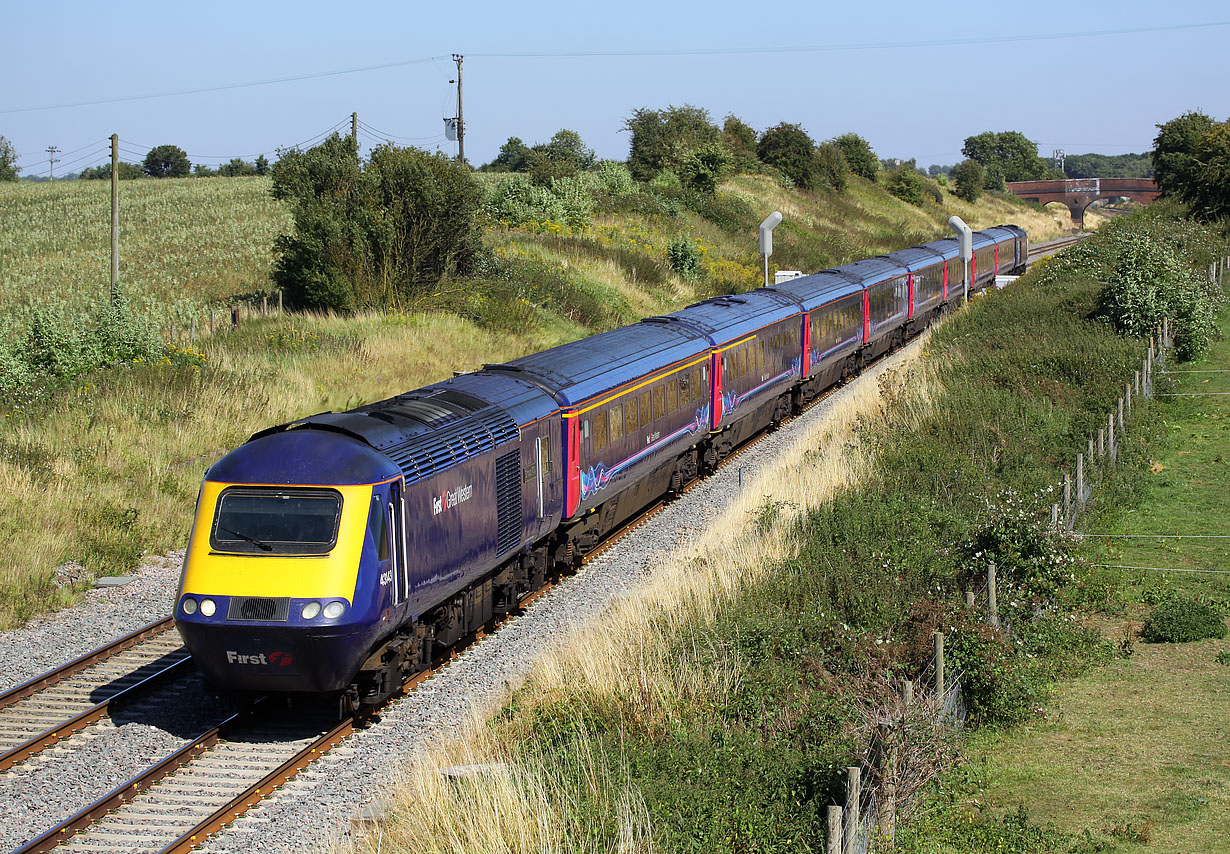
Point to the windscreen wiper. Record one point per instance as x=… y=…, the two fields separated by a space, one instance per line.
x=263 y=546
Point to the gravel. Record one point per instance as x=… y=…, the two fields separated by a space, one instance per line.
x=320 y=804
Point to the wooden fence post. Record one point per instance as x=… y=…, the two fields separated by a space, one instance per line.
x=1136 y=381
x=1054 y=516
x=937 y=639
x=1080 y=480
x=1119 y=415
x=1127 y=397
x=234 y=317
x=1067 y=500
x=969 y=598
x=192 y=331
x=1101 y=441
x=992 y=596
x=907 y=694
x=1110 y=435
x=834 y=840
x=853 y=794
x=279 y=301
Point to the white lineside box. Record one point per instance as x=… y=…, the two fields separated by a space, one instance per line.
x=786 y=275
x=1004 y=281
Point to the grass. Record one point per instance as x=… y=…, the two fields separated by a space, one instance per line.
x=1129 y=757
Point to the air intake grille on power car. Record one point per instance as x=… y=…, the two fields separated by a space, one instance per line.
x=258 y=608
x=508 y=501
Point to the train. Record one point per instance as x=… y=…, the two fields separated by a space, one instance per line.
x=340 y=553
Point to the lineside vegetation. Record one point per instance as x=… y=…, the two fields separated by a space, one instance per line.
x=717 y=709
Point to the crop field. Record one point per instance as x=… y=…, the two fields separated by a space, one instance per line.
x=184 y=239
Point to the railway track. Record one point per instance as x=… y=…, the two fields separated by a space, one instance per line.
x=53 y=706
x=1042 y=250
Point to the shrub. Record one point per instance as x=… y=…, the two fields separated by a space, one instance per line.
x=906 y=184
x=684 y=257
x=831 y=166
x=863 y=161
x=788 y=148
x=613 y=178
x=662 y=139
x=970 y=178
x=1181 y=619
x=703 y=169
x=371 y=234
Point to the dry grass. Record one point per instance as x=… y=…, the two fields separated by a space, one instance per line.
x=140 y=438
x=628 y=659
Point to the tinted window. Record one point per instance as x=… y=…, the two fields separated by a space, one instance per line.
x=378 y=524
x=630 y=422
x=617 y=422
x=672 y=396
x=268 y=521
x=659 y=401
x=600 y=433
x=646 y=409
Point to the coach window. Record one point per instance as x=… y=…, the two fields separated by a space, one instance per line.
x=617 y=422
x=646 y=408
x=630 y=421
x=600 y=432
x=659 y=401
x=672 y=395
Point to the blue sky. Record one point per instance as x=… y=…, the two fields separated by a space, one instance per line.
x=1095 y=93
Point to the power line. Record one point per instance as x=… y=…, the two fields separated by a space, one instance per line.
x=385 y=135
x=1161 y=568
x=823 y=48
x=222 y=87
x=727 y=51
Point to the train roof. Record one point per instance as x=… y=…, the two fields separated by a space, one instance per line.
x=816 y=290
x=579 y=370
x=871 y=271
x=915 y=258
x=725 y=319
x=303 y=458
x=421 y=432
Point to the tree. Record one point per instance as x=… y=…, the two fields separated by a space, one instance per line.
x=862 y=160
x=705 y=168
x=1175 y=167
x=200 y=170
x=261 y=165
x=8 y=161
x=831 y=165
x=127 y=172
x=167 y=161
x=568 y=147
x=662 y=139
x=236 y=167
x=740 y=140
x=1108 y=166
x=970 y=178
x=511 y=157
x=1015 y=156
x=789 y=149
x=1209 y=193
x=374 y=234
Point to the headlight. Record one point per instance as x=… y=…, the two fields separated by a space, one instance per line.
x=189 y=606
x=310 y=610
x=208 y=607
x=335 y=609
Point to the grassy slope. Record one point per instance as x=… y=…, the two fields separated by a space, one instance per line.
x=1137 y=752
x=108 y=468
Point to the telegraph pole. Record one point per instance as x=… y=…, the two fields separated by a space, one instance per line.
x=115 y=218
x=461 y=125
x=354 y=128
x=52 y=160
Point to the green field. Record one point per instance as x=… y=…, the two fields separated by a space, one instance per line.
x=1131 y=757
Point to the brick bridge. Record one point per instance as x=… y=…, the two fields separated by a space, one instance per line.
x=1079 y=193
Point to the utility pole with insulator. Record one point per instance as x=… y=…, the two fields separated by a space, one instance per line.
x=115 y=218
x=354 y=128
x=1060 y=156
x=52 y=160
x=461 y=123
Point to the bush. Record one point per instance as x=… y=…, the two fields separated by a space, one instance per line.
x=1181 y=619
x=831 y=166
x=858 y=154
x=906 y=184
x=971 y=179
x=613 y=178
x=788 y=148
x=703 y=169
x=684 y=257
x=371 y=234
